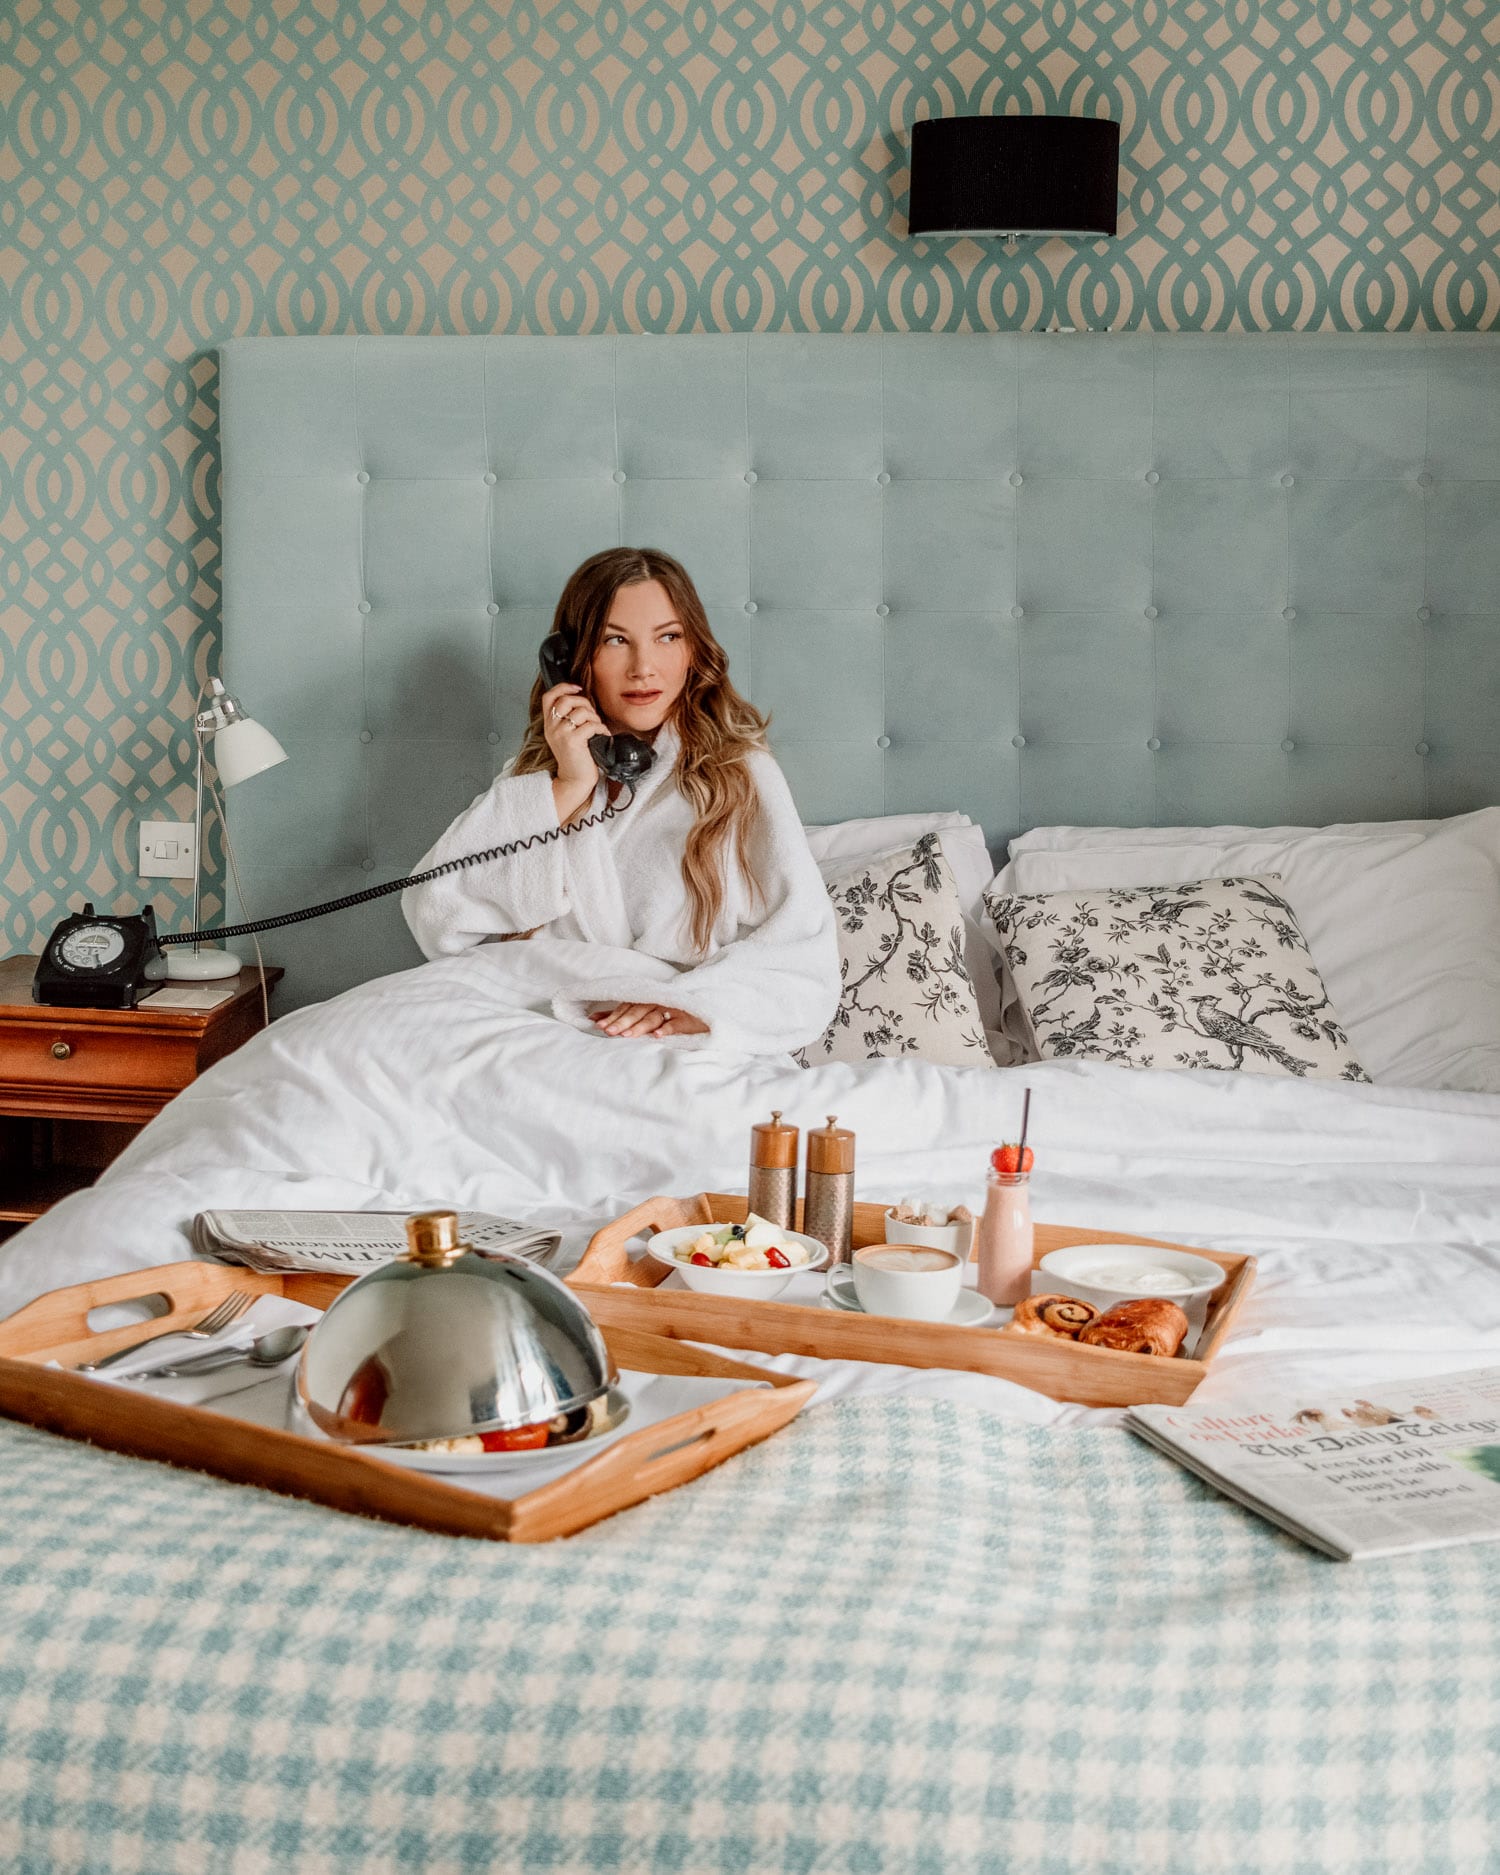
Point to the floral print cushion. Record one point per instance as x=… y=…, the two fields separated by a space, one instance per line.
x=1215 y=974
x=907 y=990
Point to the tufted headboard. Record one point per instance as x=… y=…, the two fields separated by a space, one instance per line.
x=1096 y=579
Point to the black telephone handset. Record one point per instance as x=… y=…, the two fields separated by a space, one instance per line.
x=618 y=758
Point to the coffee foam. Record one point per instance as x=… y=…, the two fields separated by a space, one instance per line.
x=909 y=1258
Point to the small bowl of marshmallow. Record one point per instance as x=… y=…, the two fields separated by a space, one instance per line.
x=933 y=1226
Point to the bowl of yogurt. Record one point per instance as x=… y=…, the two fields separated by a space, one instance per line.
x=1106 y=1273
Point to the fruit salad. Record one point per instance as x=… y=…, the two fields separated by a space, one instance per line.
x=756 y=1244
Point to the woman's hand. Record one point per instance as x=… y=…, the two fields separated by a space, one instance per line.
x=568 y=722
x=648 y=1021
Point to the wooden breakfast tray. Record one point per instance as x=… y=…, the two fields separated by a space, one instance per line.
x=1063 y=1369
x=55 y=1328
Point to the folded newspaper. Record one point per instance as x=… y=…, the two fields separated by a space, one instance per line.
x=1415 y=1465
x=344 y=1241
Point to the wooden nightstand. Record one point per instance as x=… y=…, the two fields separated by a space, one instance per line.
x=76 y=1085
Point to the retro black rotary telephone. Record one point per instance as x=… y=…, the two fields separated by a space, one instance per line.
x=95 y=961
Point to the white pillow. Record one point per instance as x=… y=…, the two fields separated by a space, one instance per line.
x=1403 y=923
x=881 y=833
x=835 y=846
x=1105 y=839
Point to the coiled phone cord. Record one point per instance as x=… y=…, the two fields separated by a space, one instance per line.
x=400 y=885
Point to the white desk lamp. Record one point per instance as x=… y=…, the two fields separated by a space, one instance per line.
x=242 y=748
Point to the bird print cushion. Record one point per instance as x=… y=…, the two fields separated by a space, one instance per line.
x=906 y=988
x=1215 y=974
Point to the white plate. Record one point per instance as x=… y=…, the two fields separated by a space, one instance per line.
x=971 y=1310
x=454 y=1464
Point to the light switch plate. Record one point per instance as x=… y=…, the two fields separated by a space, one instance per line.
x=166 y=849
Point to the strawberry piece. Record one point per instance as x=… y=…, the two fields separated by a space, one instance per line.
x=1006 y=1159
x=777 y=1260
x=702 y=1259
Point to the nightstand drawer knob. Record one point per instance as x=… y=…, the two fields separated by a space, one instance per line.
x=61 y=1050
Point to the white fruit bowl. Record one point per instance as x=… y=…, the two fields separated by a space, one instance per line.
x=759 y=1285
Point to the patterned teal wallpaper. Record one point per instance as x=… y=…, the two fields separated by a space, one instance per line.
x=176 y=171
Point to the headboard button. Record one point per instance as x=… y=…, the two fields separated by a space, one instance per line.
x=1018 y=611
x=884 y=479
x=1424 y=612
x=751 y=606
x=1289 y=613
x=490 y=478
x=1154 y=744
x=1288 y=746
x=365 y=736
x=1016 y=478
x=751 y=477
x=1152 y=477
x=493 y=609
x=362 y=477
x=882 y=611
x=364 y=605
x=882 y=742
x=1151 y=612
x=493 y=736
x=618 y=477
x=1424 y=748
x=1018 y=742
x=1424 y=480
x=1288 y=481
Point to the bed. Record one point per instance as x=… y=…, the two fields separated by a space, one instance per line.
x=941 y=1623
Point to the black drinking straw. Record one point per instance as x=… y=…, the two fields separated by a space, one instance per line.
x=1025 y=1122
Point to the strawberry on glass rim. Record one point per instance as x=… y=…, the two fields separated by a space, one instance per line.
x=1007 y=1159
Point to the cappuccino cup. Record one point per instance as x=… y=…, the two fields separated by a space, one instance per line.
x=915 y=1282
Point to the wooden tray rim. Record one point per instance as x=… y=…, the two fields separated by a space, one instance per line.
x=1092 y=1376
x=642 y=1464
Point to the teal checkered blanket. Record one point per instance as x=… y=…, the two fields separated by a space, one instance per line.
x=901 y=1638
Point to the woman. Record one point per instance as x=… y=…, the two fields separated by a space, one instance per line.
x=701 y=904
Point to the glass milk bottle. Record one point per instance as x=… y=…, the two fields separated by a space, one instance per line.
x=1003 y=1239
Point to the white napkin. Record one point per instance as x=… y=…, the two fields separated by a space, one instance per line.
x=264 y=1314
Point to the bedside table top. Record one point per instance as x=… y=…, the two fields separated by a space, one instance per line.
x=17 y=1008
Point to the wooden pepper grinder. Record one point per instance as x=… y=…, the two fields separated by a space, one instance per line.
x=773 y=1172
x=828 y=1202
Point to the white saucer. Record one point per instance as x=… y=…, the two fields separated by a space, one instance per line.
x=971 y=1310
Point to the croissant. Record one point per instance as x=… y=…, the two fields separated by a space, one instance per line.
x=1060 y=1317
x=1149 y=1325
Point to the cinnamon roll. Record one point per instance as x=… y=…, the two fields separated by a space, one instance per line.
x=1059 y=1316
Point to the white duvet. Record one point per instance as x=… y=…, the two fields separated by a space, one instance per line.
x=1375 y=1211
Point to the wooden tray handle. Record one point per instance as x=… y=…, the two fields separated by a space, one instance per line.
x=607 y=1259
x=56 y=1327
x=654 y=1460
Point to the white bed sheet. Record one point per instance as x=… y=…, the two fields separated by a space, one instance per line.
x=1375 y=1211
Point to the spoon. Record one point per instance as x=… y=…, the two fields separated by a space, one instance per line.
x=268 y=1350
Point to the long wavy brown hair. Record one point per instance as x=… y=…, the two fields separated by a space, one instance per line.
x=716 y=726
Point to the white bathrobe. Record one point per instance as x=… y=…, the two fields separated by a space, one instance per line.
x=612 y=916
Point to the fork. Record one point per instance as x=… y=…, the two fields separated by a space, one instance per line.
x=229 y=1310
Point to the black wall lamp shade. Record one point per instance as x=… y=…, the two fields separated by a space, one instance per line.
x=1014 y=175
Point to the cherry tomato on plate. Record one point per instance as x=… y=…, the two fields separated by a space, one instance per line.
x=702 y=1259
x=517 y=1439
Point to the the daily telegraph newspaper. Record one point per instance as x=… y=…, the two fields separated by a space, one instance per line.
x=344 y=1241
x=1411 y=1465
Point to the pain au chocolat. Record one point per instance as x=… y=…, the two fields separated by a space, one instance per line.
x=1149 y=1325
